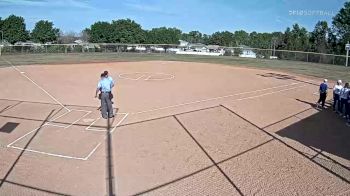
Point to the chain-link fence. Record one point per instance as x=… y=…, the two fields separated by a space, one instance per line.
x=81 y=48
x=304 y=56
x=243 y=52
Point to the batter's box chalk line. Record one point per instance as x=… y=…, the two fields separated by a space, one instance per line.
x=104 y=130
x=11 y=145
x=145 y=76
x=57 y=124
x=50 y=123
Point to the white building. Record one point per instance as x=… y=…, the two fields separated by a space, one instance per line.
x=173 y=50
x=213 y=48
x=157 y=49
x=198 y=49
x=140 y=48
x=79 y=41
x=247 y=52
x=183 y=43
x=27 y=43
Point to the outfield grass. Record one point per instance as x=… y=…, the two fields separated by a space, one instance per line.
x=333 y=72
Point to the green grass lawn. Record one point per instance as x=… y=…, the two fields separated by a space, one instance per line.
x=333 y=72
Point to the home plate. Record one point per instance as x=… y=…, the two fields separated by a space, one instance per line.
x=88 y=119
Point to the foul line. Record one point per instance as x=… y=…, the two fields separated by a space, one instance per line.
x=41 y=88
x=222 y=97
x=252 y=97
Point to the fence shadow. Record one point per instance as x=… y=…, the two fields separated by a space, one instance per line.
x=324 y=130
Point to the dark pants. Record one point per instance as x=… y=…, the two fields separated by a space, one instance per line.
x=344 y=106
x=106 y=106
x=322 y=99
x=336 y=100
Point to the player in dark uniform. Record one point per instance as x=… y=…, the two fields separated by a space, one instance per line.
x=323 y=93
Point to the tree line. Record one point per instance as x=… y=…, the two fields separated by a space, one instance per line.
x=325 y=38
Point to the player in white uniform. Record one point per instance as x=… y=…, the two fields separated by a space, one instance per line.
x=336 y=96
x=344 y=94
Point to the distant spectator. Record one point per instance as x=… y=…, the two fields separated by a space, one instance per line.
x=336 y=96
x=323 y=93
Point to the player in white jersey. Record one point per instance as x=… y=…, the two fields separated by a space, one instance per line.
x=344 y=94
x=336 y=96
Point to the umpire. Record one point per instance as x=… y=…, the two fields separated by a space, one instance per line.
x=105 y=85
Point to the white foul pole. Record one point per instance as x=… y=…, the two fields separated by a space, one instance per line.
x=347 y=48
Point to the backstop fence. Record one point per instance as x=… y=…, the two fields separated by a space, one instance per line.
x=173 y=49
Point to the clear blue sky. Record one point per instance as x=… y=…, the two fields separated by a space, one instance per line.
x=206 y=16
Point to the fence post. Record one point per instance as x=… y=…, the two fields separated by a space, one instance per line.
x=333 y=58
x=307 y=57
x=45 y=48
